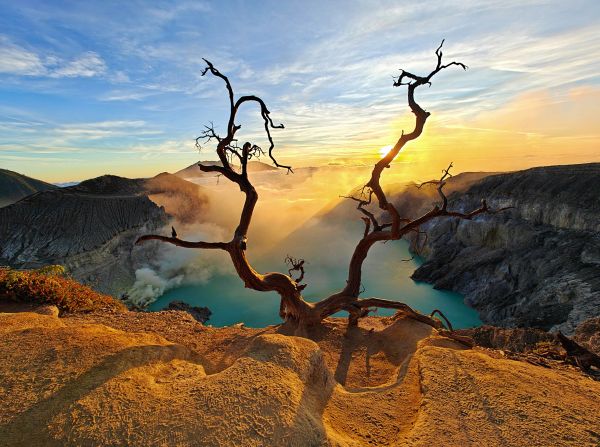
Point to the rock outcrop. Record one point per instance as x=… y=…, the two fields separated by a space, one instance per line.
x=135 y=379
x=534 y=265
x=200 y=314
x=520 y=340
x=91 y=228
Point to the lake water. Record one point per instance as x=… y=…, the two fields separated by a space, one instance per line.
x=385 y=276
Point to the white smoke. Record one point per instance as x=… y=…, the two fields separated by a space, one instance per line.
x=287 y=203
x=171 y=266
x=149 y=285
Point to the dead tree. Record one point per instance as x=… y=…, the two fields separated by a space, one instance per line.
x=387 y=225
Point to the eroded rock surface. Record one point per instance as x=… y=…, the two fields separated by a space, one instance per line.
x=76 y=381
x=535 y=265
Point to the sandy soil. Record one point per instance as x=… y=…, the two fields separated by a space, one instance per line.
x=162 y=379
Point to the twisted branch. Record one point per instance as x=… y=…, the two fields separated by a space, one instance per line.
x=296 y=265
x=399 y=226
x=293 y=306
x=421 y=116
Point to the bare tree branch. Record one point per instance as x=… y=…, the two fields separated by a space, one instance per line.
x=440 y=185
x=293 y=307
x=295 y=265
x=413 y=82
x=182 y=243
x=399 y=226
x=439 y=312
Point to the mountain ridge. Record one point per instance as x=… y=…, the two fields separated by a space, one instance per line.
x=194 y=171
x=91 y=227
x=15 y=186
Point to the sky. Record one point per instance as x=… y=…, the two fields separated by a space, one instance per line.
x=89 y=88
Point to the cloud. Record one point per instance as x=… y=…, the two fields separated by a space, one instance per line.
x=47 y=137
x=19 y=61
x=104 y=129
x=87 y=65
x=126 y=95
x=174 y=266
x=327 y=75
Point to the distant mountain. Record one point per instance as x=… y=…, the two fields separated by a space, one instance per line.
x=91 y=227
x=259 y=166
x=65 y=184
x=15 y=186
x=408 y=199
x=194 y=171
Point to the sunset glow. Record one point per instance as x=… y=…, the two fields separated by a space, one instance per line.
x=384 y=150
x=72 y=101
x=299 y=223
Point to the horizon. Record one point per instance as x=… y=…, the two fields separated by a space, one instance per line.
x=126 y=98
x=394 y=180
x=302 y=223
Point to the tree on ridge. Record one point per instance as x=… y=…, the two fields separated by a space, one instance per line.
x=385 y=225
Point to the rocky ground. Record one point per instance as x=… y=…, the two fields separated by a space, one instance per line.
x=162 y=379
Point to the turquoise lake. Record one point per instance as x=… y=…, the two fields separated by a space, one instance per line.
x=385 y=276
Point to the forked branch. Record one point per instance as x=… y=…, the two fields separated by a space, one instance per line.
x=384 y=225
x=292 y=305
x=296 y=265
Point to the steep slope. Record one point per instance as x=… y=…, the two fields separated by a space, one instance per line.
x=536 y=264
x=77 y=381
x=91 y=227
x=15 y=186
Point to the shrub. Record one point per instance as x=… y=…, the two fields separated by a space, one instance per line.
x=49 y=285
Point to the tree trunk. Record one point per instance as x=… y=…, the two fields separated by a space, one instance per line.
x=293 y=307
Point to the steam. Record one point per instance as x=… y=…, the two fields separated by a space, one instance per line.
x=169 y=266
x=287 y=219
x=149 y=285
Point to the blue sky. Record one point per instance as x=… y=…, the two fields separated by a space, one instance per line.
x=88 y=88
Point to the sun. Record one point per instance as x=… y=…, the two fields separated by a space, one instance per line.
x=384 y=150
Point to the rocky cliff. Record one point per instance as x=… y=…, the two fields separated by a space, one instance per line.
x=534 y=265
x=90 y=228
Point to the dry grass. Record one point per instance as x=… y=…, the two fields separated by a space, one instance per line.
x=50 y=285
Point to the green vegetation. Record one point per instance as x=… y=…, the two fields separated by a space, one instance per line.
x=50 y=285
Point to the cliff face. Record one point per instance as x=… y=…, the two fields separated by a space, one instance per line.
x=535 y=265
x=89 y=228
x=15 y=186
